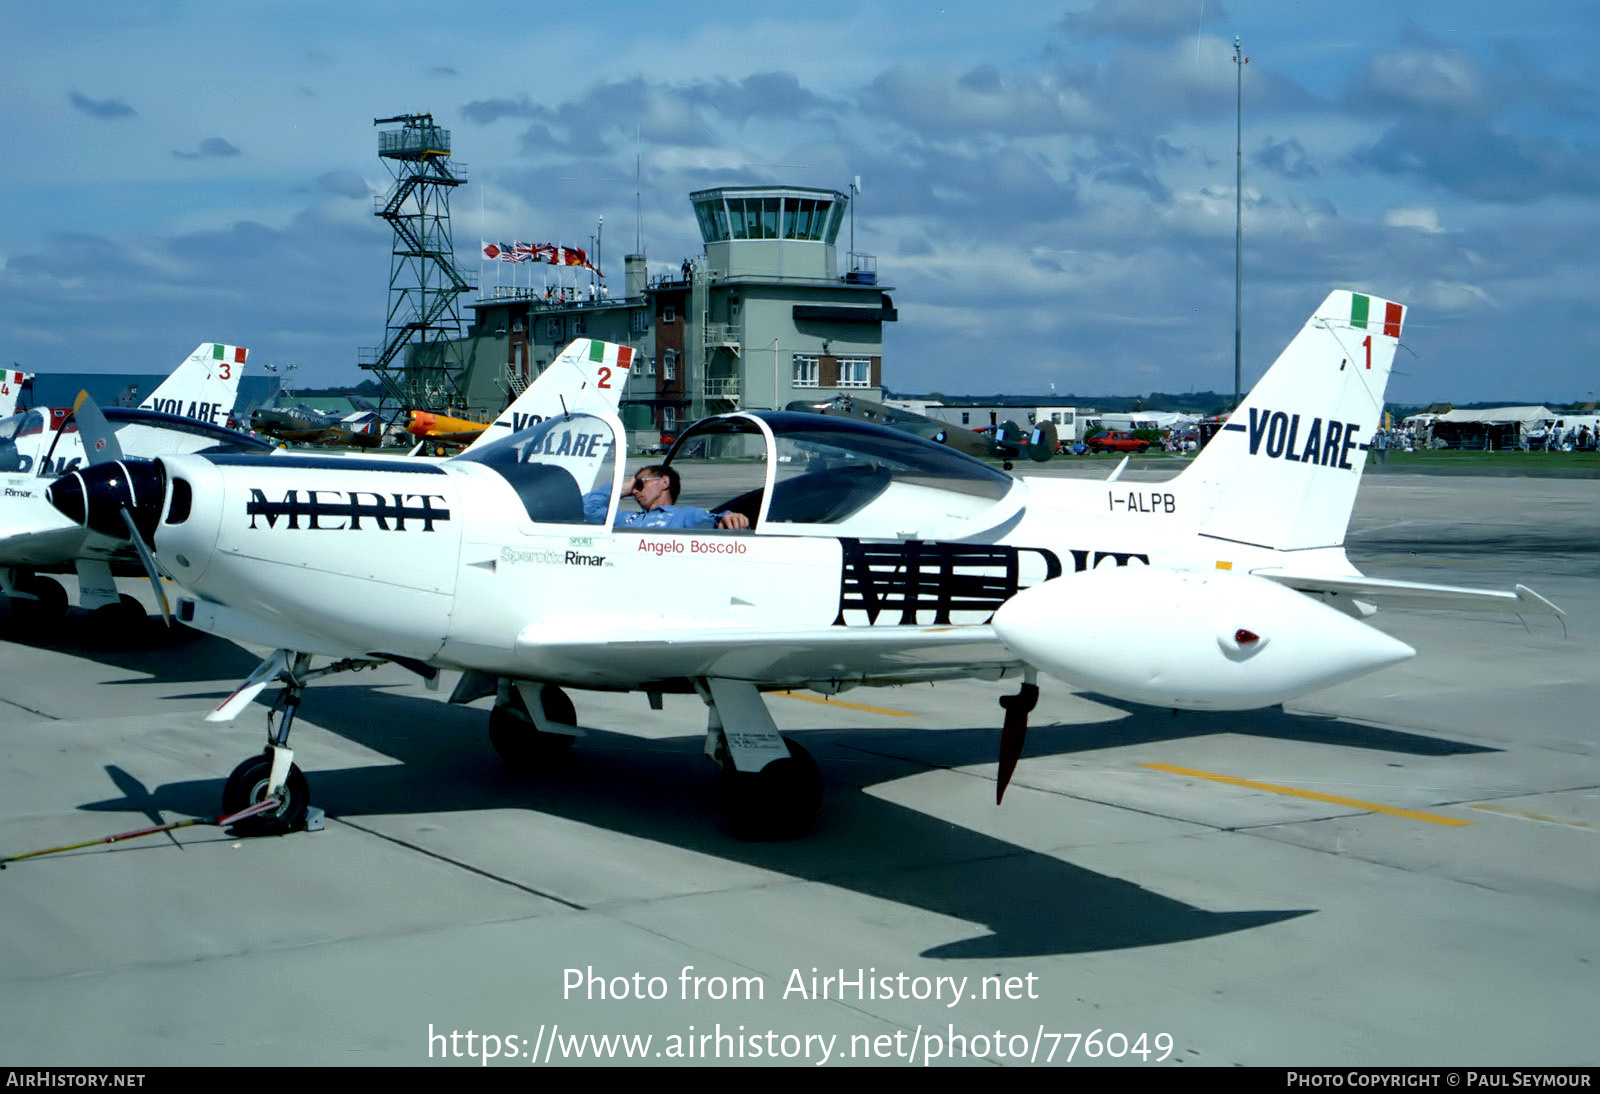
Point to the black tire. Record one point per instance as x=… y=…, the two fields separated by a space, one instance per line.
x=121 y=623
x=248 y=785
x=44 y=613
x=779 y=802
x=522 y=748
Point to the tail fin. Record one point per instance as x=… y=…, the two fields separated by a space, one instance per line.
x=11 y=385
x=204 y=387
x=1285 y=468
x=588 y=374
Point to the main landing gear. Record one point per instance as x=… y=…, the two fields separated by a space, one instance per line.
x=771 y=788
x=37 y=603
x=530 y=746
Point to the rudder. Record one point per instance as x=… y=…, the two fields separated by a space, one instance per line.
x=1285 y=468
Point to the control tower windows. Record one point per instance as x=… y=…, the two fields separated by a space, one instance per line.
x=788 y=216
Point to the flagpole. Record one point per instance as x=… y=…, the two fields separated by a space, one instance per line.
x=1239 y=60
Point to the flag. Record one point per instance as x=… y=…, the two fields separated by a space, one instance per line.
x=1361 y=307
x=492 y=251
x=569 y=256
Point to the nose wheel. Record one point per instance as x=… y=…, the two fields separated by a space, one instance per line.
x=250 y=783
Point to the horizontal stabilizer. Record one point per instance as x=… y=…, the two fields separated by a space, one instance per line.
x=1416 y=594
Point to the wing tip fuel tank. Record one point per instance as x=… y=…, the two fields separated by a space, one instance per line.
x=1239 y=642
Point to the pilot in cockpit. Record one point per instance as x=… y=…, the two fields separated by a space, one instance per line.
x=655 y=488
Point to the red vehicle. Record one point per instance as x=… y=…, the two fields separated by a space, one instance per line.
x=1114 y=440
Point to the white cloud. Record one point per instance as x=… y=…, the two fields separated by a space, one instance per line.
x=1418 y=218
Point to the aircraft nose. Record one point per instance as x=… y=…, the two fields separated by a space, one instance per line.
x=95 y=496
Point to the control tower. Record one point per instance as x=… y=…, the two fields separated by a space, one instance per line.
x=420 y=363
x=768 y=317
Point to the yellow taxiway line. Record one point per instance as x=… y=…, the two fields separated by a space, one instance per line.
x=1295 y=792
x=848 y=706
x=1505 y=811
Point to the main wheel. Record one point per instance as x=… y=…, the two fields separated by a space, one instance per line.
x=123 y=621
x=524 y=749
x=43 y=603
x=779 y=802
x=248 y=785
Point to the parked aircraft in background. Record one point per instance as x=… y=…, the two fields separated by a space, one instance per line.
x=186 y=413
x=874 y=557
x=307 y=425
x=1006 y=441
x=444 y=429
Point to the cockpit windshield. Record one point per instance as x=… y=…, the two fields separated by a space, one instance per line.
x=561 y=469
x=836 y=471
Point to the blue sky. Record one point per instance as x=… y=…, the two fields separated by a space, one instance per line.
x=1048 y=187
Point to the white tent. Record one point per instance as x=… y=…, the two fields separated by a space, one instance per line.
x=1525 y=417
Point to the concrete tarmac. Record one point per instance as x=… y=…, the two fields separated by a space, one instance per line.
x=1403 y=870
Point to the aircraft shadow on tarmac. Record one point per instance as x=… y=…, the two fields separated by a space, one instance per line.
x=665 y=791
x=176 y=654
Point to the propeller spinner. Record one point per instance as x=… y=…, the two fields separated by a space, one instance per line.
x=121 y=499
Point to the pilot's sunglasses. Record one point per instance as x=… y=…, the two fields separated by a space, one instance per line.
x=639 y=484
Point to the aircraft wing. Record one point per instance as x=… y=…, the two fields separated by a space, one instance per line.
x=32 y=535
x=886 y=654
x=1416 y=594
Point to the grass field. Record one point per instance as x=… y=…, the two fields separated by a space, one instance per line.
x=1533 y=463
x=1448 y=460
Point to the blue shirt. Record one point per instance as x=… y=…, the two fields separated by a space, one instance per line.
x=665 y=516
x=669 y=516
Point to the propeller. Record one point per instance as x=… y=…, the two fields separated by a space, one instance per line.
x=106 y=495
x=1014 y=732
x=1042 y=442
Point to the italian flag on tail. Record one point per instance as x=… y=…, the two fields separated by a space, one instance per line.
x=1361 y=316
x=236 y=354
x=607 y=353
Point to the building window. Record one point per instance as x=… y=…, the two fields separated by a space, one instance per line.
x=669 y=314
x=806 y=371
x=578 y=326
x=966 y=418
x=639 y=321
x=553 y=330
x=669 y=419
x=669 y=365
x=650 y=368
x=855 y=372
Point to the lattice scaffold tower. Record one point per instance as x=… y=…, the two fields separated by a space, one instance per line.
x=420 y=363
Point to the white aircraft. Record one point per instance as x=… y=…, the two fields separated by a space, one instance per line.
x=187 y=412
x=875 y=557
